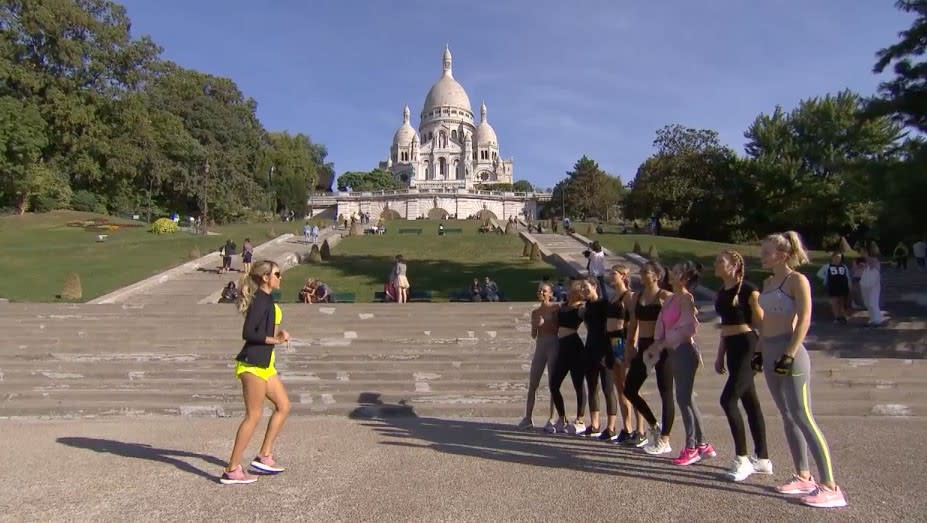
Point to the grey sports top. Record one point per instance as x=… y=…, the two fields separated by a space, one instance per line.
x=777 y=301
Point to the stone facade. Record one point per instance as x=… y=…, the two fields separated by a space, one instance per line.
x=461 y=204
x=448 y=151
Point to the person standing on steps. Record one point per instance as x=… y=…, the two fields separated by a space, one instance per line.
x=836 y=276
x=247 y=253
x=618 y=314
x=786 y=305
x=648 y=304
x=255 y=368
x=737 y=305
x=901 y=256
x=544 y=333
x=401 y=280
x=870 y=286
x=598 y=362
x=596 y=265
x=569 y=360
x=919 y=249
x=675 y=334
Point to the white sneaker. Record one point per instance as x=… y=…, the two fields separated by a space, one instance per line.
x=659 y=446
x=550 y=428
x=525 y=424
x=654 y=434
x=762 y=466
x=576 y=428
x=741 y=469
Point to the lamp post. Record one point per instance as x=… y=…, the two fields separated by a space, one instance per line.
x=270 y=185
x=204 y=231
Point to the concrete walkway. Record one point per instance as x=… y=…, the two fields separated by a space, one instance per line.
x=199 y=281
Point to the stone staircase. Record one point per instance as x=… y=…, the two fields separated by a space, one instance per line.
x=198 y=281
x=439 y=359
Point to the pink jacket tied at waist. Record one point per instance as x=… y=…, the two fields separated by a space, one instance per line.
x=673 y=326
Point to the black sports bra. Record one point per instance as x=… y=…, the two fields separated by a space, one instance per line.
x=615 y=309
x=568 y=317
x=647 y=312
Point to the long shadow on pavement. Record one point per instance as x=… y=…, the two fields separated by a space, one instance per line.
x=147 y=452
x=495 y=441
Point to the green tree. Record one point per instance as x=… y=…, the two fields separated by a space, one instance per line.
x=375 y=180
x=587 y=191
x=904 y=96
x=522 y=186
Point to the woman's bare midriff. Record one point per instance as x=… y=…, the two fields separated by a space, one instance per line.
x=614 y=324
x=645 y=329
x=563 y=332
x=733 y=330
x=775 y=324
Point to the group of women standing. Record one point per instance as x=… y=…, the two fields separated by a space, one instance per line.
x=652 y=331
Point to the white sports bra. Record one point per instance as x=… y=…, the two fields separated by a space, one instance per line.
x=777 y=301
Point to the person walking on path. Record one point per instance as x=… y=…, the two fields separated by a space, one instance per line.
x=255 y=368
x=677 y=326
x=870 y=286
x=544 y=333
x=786 y=305
x=247 y=253
x=401 y=280
x=920 y=254
x=737 y=305
x=901 y=256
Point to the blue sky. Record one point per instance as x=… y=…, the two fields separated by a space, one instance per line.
x=560 y=79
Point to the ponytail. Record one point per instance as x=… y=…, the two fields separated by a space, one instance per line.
x=797 y=254
x=252 y=282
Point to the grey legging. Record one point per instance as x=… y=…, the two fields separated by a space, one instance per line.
x=545 y=356
x=685 y=360
x=792 y=395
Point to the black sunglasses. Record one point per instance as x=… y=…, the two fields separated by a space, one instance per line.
x=277 y=274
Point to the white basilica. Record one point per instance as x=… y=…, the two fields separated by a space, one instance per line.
x=442 y=164
x=448 y=151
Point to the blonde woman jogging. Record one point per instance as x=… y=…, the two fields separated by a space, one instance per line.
x=544 y=333
x=786 y=304
x=255 y=368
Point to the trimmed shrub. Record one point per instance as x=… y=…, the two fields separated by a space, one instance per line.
x=510 y=228
x=652 y=253
x=526 y=250
x=844 y=245
x=637 y=248
x=195 y=253
x=326 y=250
x=71 y=290
x=163 y=226
x=315 y=256
x=589 y=230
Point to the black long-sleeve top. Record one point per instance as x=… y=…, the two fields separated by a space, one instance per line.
x=259 y=325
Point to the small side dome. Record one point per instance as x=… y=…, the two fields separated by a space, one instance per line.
x=405 y=134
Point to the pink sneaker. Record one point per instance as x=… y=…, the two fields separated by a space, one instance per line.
x=705 y=451
x=798 y=486
x=238 y=476
x=688 y=456
x=267 y=465
x=825 y=498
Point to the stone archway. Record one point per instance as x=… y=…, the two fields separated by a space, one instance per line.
x=437 y=213
x=486 y=215
x=390 y=214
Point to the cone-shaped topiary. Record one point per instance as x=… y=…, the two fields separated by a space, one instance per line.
x=652 y=253
x=844 y=245
x=71 y=290
x=326 y=250
x=315 y=256
x=874 y=249
x=637 y=248
x=195 y=252
x=526 y=250
x=535 y=252
x=510 y=228
x=589 y=230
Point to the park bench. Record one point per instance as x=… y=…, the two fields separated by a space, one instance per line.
x=410 y=231
x=421 y=296
x=453 y=231
x=344 y=297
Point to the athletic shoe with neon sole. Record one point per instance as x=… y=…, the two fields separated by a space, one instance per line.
x=267 y=465
x=688 y=456
x=798 y=485
x=824 y=497
x=238 y=476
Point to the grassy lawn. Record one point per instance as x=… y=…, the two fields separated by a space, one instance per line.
x=39 y=249
x=672 y=249
x=437 y=263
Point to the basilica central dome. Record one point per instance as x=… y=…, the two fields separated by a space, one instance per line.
x=446 y=92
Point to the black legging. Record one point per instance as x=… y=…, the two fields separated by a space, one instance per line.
x=740 y=387
x=637 y=373
x=598 y=368
x=569 y=360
